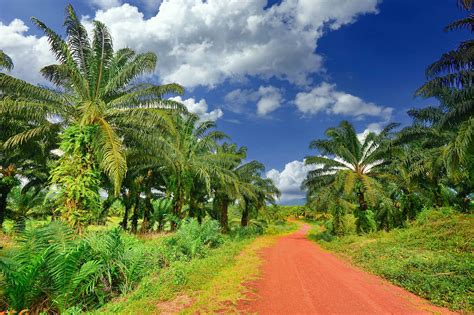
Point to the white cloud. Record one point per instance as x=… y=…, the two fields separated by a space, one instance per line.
x=29 y=53
x=208 y=42
x=105 y=4
x=199 y=108
x=289 y=179
x=373 y=127
x=270 y=100
x=325 y=97
x=266 y=98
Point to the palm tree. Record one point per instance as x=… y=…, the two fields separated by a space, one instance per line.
x=450 y=79
x=5 y=61
x=465 y=4
x=24 y=203
x=190 y=157
x=346 y=164
x=30 y=160
x=94 y=86
x=258 y=191
x=225 y=192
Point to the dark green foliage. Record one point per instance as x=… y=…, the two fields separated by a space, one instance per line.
x=52 y=269
x=162 y=209
x=192 y=240
x=338 y=222
x=365 y=222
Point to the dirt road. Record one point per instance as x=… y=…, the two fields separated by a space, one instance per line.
x=299 y=277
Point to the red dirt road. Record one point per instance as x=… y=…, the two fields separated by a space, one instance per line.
x=299 y=277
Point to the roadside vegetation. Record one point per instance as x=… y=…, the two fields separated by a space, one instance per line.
x=431 y=256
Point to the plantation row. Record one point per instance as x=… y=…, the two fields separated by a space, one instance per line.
x=385 y=179
x=102 y=131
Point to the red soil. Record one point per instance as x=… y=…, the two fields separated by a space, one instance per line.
x=299 y=277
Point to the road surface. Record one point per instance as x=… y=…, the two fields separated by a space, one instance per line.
x=299 y=277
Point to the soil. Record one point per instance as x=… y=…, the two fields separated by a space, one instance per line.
x=299 y=277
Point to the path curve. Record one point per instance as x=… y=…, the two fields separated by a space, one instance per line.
x=299 y=277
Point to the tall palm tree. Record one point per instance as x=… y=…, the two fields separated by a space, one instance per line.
x=94 y=85
x=190 y=156
x=257 y=192
x=226 y=193
x=346 y=164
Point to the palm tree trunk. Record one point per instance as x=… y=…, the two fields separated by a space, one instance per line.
x=147 y=211
x=224 y=219
x=126 y=201
x=177 y=207
x=245 y=215
x=4 y=191
x=134 y=227
x=362 y=203
x=193 y=212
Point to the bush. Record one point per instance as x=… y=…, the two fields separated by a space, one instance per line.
x=365 y=221
x=53 y=270
x=247 y=231
x=192 y=240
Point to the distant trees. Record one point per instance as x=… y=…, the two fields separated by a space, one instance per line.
x=99 y=136
x=389 y=177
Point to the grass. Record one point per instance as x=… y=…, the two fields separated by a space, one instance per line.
x=200 y=286
x=432 y=257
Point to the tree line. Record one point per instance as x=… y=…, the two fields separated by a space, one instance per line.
x=100 y=133
x=387 y=178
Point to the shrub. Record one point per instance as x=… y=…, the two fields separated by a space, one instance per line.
x=53 y=270
x=365 y=221
x=192 y=240
x=247 y=231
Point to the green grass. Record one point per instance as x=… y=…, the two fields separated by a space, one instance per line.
x=432 y=257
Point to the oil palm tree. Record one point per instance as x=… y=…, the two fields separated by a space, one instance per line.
x=190 y=157
x=257 y=192
x=350 y=166
x=226 y=193
x=450 y=79
x=23 y=204
x=94 y=85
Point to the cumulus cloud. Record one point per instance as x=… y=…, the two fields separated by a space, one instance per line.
x=269 y=101
x=373 y=127
x=200 y=108
x=29 y=53
x=208 y=42
x=266 y=98
x=105 y=4
x=289 y=179
x=326 y=98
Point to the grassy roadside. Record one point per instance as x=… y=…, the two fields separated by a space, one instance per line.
x=204 y=285
x=432 y=257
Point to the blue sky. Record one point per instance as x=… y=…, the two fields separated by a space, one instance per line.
x=274 y=75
